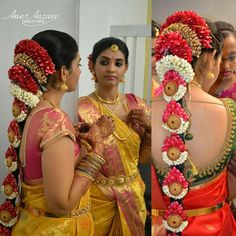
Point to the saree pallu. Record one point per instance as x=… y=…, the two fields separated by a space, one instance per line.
x=117 y=196
x=36 y=220
x=217 y=222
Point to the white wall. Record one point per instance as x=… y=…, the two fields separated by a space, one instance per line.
x=86 y=20
x=212 y=9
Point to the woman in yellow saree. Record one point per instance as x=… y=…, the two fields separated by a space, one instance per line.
x=117 y=195
x=44 y=155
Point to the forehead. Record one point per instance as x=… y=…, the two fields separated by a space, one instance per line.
x=229 y=44
x=112 y=55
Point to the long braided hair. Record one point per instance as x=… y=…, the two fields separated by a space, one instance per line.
x=35 y=61
x=183 y=38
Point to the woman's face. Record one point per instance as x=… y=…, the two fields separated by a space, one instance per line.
x=110 y=67
x=228 y=60
x=74 y=74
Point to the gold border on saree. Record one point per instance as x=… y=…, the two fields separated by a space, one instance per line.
x=193 y=212
x=116 y=181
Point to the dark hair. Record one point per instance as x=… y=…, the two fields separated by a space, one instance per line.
x=225 y=28
x=217 y=41
x=61 y=47
x=216 y=36
x=155 y=27
x=105 y=43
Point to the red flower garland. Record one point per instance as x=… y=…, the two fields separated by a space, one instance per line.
x=4 y=231
x=174 y=108
x=7 y=213
x=22 y=77
x=173 y=43
x=40 y=56
x=14 y=133
x=174 y=76
x=173 y=141
x=195 y=22
x=10 y=185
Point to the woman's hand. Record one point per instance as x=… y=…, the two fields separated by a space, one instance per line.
x=96 y=133
x=140 y=121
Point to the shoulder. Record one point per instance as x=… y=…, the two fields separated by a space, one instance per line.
x=54 y=122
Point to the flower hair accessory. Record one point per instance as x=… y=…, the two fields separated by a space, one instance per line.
x=8 y=214
x=175 y=220
x=174 y=151
x=4 y=231
x=188 y=34
x=14 y=134
x=19 y=110
x=183 y=35
x=10 y=187
x=193 y=21
x=174 y=184
x=172 y=62
x=175 y=119
x=34 y=57
x=11 y=159
x=169 y=43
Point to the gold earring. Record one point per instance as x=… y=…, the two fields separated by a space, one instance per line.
x=94 y=77
x=210 y=75
x=122 y=79
x=63 y=86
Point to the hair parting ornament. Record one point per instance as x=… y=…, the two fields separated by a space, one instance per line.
x=28 y=75
x=182 y=37
x=114 y=48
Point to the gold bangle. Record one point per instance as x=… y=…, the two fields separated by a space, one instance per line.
x=96 y=157
x=83 y=174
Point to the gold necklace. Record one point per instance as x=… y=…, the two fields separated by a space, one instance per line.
x=112 y=110
x=196 y=83
x=105 y=101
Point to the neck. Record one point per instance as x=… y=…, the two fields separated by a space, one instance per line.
x=54 y=96
x=108 y=94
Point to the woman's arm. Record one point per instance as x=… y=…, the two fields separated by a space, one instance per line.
x=63 y=189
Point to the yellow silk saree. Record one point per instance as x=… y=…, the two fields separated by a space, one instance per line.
x=117 y=196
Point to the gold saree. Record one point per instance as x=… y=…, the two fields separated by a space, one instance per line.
x=117 y=196
x=36 y=220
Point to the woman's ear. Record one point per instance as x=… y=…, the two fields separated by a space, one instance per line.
x=63 y=73
x=209 y=60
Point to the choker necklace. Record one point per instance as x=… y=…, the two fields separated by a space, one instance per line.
x=105 y=101
x=196 y=83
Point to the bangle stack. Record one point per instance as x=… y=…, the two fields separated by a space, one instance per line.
x=90 y=166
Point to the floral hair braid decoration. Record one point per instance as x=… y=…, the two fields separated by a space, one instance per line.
x=183 y=36
x=28 y=75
